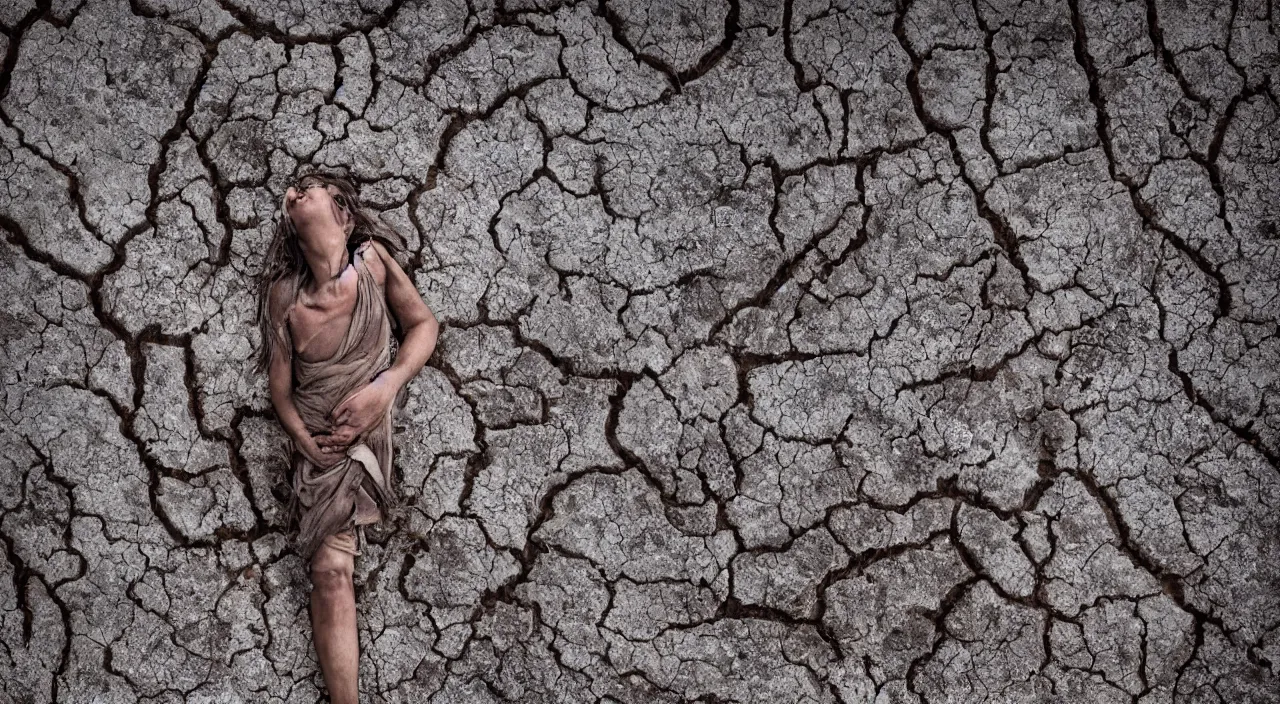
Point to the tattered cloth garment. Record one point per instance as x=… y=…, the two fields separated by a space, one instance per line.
x=349 y=494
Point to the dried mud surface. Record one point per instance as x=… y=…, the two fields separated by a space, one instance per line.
x=790 y=351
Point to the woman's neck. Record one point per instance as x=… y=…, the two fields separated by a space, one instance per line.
x=326 y=258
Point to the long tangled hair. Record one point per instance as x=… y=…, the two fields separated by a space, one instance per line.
x=284 y=260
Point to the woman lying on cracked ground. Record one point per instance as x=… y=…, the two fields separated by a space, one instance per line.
x=326 y=293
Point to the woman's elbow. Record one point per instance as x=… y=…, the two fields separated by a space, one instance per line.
x=278 y=390
x=426 y=322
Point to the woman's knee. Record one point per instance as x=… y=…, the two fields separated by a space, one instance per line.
x=331 y=569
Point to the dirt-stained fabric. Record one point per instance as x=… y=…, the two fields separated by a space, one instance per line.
x=357 y=490
x=345 y=541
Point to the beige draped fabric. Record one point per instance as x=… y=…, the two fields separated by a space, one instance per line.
x=354 y=491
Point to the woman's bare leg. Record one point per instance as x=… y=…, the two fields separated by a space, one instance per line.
x=333 y=622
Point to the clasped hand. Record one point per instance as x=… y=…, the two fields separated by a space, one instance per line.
x=351 y=418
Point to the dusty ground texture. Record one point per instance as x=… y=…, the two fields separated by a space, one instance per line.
x=791 y=352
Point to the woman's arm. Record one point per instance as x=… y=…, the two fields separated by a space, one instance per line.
x=280 y=384
x=416 y=319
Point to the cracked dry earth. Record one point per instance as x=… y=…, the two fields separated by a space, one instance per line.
x=790 y=352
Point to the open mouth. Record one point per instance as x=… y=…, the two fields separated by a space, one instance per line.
x=299 y=192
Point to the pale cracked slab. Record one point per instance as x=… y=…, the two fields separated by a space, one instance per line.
x=790 y=352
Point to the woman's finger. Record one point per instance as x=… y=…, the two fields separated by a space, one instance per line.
x=327 y=439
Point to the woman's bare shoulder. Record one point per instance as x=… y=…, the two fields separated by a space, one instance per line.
x=281 y=301
x=375 y=257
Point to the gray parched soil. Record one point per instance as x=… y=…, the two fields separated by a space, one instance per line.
x=790 y=351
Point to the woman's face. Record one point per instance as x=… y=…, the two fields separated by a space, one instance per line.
x=311 y=204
